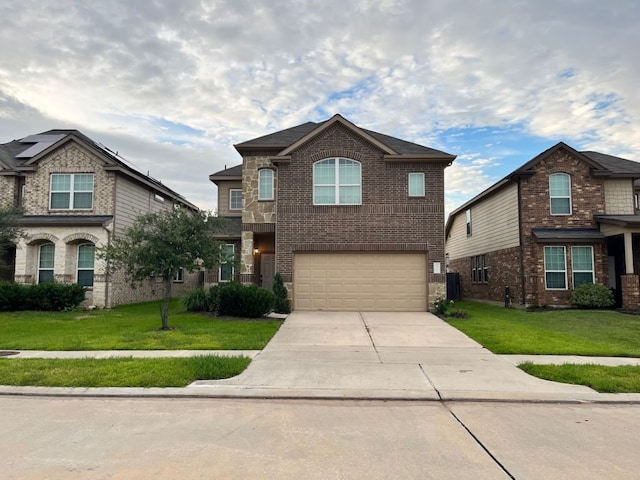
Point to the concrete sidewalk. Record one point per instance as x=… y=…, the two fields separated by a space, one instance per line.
x=351 y=355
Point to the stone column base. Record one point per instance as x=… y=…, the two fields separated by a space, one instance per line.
x=630 y=292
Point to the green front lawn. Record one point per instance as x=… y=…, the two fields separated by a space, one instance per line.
x=557 y=332
x=622 y=379
x=131 y=327
x=118 y=372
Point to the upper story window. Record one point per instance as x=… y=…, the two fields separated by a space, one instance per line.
x=560 y=193
x=86 y=259
x=467 y=215
x=235 y=199
x=416 y=184
x=71 y=191
x=46 y=260
x=337 y=181
x=265 y=184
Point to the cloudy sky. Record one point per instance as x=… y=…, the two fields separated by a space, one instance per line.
x=172 y=85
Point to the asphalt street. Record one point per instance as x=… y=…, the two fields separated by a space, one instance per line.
x=169 y=438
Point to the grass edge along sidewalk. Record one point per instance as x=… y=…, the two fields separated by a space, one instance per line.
x=559 y=332
x=127 y=327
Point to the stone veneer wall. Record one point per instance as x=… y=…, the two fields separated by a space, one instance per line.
x=7 y=190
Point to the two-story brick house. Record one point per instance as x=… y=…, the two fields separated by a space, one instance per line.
x=75 y=195
x=563 y=218
x=351 y=218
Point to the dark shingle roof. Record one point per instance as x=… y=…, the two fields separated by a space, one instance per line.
x=285 y=138
x=235 y=171
x=567 y=234
x=616 y=165
x=60 y=220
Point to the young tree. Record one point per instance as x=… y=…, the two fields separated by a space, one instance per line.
x=10 y=232
x=160 y=244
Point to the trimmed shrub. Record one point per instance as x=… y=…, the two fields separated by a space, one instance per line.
x=282 y=303
x=442 y=305
x=237 y=300
x=196 y=301
x=592 y=295
x=48 y=296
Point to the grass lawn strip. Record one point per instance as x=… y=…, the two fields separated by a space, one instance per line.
x=118 y=372
x=622 y=379
x=557 y=332
x=131 y=327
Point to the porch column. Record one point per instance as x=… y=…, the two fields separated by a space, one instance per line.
x=628 y=252
x=246 y=258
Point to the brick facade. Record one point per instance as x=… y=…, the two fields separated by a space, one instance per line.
x=504 y=271
x=387 y=220
x=587 y=199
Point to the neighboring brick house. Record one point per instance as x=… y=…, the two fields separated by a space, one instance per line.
x=76 y=194
x=563 y=218
x=352 y=219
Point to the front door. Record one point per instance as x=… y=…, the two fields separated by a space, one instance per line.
x=267 y=270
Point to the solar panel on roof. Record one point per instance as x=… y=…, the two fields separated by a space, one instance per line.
x=42 y=138
x=33 y=150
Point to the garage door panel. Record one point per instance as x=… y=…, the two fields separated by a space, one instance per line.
x=360 y=281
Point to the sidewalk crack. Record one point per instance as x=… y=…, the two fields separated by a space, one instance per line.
x=366 y=327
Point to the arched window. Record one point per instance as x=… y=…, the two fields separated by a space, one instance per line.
x=337 y=181
x=560 y=193
x=265 y=184
x=46 y=260
x=86 y=259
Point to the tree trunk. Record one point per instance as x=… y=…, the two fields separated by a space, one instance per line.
x=165 y=303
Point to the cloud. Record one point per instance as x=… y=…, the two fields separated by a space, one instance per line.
x=170 y=84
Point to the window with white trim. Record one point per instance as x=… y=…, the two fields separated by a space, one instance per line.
x=337 y=181
x=179 y=275
x=416 y=184
x=235 y=199
x=265 y=184
x=555 y=268
x=467 y=215
x=560 y=194
x=46 y=260
x=86 y=260
x=226 y=263
x=71 y=191
x=582 y=265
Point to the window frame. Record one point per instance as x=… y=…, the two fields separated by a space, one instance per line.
x=84 y=269
x=479 y=269
x=72 y=191
x=467 y=216
x=336 y=183
x=574 y=270
x=423 y=191
x=178 y=277
x=225 y=260
x=53 y=262
x=231 y=192
x=270 y=196
x=546 y=270
x=553 y=197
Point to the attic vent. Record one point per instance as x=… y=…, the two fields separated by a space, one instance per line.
x=42 y=142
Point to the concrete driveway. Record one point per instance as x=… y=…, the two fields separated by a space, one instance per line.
x=384 y=356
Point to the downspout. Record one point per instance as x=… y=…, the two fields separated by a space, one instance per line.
x=521 y=243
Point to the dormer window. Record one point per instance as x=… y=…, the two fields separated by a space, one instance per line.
x=560 y=193
x=71 y=191
x=337 y=181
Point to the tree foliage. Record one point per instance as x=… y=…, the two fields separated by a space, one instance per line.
x=159 y=244
x=10 y=231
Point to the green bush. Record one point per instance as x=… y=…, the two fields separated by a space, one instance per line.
x=442 y=305
x=282 y=302
x=592 y=295
x=237 y=300
x=196 y=301
x=48 y=296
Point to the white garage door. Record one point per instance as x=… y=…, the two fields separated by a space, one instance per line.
x=360 y=281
